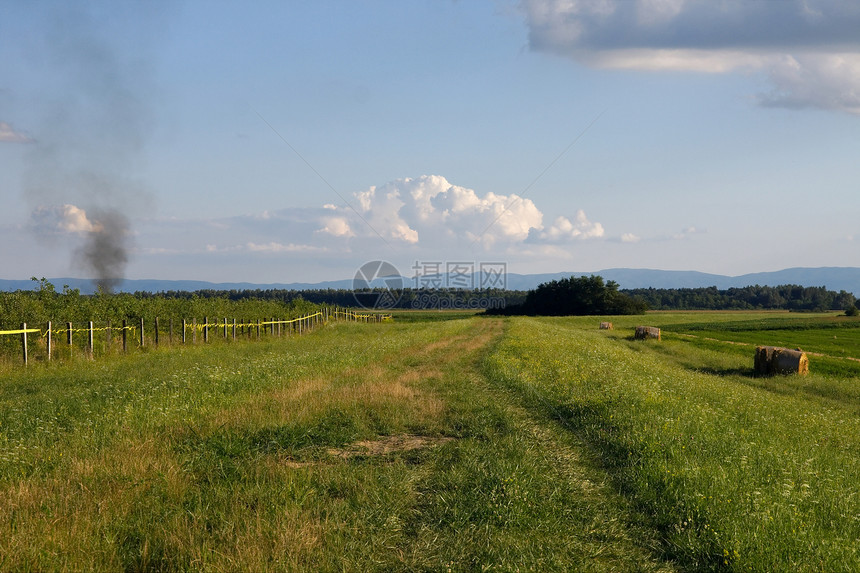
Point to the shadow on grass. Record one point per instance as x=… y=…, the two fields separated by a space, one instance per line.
x=734 y=371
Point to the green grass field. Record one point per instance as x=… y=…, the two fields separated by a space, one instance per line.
x=445 y=443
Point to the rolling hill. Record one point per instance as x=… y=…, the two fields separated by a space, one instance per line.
x=834 y=278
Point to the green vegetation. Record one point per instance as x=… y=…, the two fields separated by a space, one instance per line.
x=735 y=473
x=359 y=447
x=45 y=303
x=443 y=442
x=783 y=297
x=757 y=297
x=575 y=296
x=403 y=298
x=37 y=307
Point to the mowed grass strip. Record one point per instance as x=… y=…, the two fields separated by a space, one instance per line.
x=734 y=473
x=355 y=448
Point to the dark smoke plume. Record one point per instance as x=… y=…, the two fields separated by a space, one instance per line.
x=105 y=251
x=91 y=146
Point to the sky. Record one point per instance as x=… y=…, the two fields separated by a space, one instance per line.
x=278 y=142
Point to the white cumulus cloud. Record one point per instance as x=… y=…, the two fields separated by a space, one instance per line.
x=564 y=230
x=424 y=216
x=336 y=226
x=62 y=219
x=429 y=210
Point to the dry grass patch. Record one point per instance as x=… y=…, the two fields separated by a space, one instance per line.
x=388 y=445
x=390 y=385
x=380 y=447
x=73 y=515
x=296 y=405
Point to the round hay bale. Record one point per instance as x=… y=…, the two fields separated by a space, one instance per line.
x=774 y=360
x=643 y=332
x=763 y=357
x=787 y=361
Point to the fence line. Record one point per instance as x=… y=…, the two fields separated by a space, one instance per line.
x=298 y=325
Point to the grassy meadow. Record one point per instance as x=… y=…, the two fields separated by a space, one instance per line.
x=733 y=472
x=443 y=443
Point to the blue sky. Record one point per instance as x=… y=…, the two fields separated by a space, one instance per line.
x=294 y=141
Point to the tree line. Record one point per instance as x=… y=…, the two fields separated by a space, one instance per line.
x=757 y=297
x=45 y=302
x=574 y=295
x=592 y=296
x=404 y=298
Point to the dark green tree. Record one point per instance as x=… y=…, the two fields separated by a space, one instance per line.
x=577 y=296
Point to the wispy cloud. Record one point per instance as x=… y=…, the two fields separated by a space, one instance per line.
x=10 y=135
x=270 y=247
x=686 y=234
x=808 y=51
x=275 y=247
x=682 y=235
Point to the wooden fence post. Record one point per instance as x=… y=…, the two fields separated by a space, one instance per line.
x=69 y=332
x=193 y=331
x=205 y=329
x=156 y=331
x=141 y=332
x=90 y=342
x=184 y=324
x=225 y=328
x=49 y=341
x=234 y=330
x=124 y=335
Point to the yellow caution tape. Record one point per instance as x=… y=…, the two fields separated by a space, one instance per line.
x=73 y=330
x=20 y=331
x=198 y=326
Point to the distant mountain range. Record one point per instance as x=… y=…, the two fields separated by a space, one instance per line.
x=834 y=278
